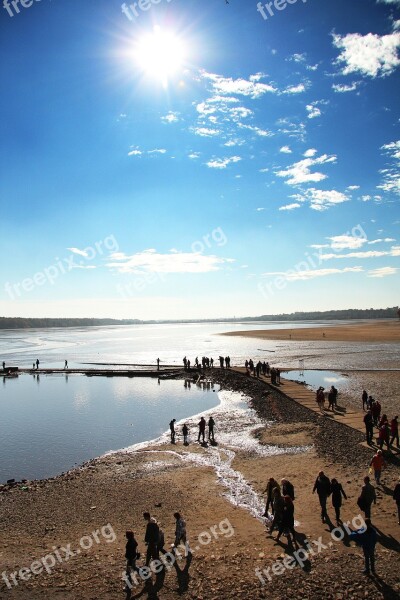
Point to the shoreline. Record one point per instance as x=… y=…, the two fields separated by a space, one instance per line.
x=117 y=488
x=374 y=332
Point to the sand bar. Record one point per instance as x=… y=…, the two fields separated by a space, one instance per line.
x=375 y=331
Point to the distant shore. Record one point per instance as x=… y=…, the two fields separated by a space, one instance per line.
x=376 y=331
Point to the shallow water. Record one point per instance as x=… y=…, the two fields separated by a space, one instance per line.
x=317 y=378
x=52 y=423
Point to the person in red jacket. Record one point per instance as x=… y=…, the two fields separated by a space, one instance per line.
x=377 y=463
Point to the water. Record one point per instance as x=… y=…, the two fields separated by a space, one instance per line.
x=316 y=378
x=52 y=423
x=48 y=426
x=142 y=344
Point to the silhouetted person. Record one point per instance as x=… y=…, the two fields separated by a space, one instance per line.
x=369 y=427
x=37 y=363
x=337 y=493
x=271 y=485
x=158 y=364
x=211 y=424
x=66 y=364
x=180 y=530
x=367 y=497
x=151 y=538
x=185 y=433
x=394 y=431
x=287 y=488
x=396 y=498
x=172 y=430
x=364 y=399
x=367 y=538
x=322 y=486
x=202 y=429
x=4 y=366
x=287 y=523
x=130 y=554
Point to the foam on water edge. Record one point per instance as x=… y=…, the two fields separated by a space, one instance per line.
x=234 y=432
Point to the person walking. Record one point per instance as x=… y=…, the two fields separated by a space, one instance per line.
x=337 y=493
x=185 y=433
x=369 y=427
x=366 y=538
x=377 y=463
x=384 y=435
x=172 y=430
x=287 y=523
x=367 y=497
x=277 y=509
x=394 y=431
x=322 y=486
x=37 y=363
x=180 y=530
x=66 y=364
x=271 y=486
x=320 y=398
x=396 y=498
x=364 y=399
x=287 y=488
x=158 y=364
x=211 y=424
x=151 y=538
x=202 y=429
x=130 y=555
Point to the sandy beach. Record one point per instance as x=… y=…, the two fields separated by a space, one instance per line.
x=219 y=490
x=375 y=331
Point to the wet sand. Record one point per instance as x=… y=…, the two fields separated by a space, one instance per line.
x=375 y=331
x=226 y=532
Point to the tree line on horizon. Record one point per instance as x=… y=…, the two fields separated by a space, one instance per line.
x=347 y=314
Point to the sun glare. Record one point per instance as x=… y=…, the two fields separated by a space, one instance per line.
x=159 y=54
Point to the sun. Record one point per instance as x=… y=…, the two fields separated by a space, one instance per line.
x=159 y=54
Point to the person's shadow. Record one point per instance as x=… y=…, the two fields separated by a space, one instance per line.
x=182 y=575
x=150 y=588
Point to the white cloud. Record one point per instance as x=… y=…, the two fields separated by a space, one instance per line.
x=310 y=153
x=260 y=209
x=79 y=252
x=380 y=240
x=285 y=150
x=389 y=2
x=370 y=54
x=206 y=131
x=391 y=175
x=222 y=163
x=313 y=111
x=295 y=89
x=342 y=88
x=173 y=262
x=242 y=87
x=300 y=172
x=352 y=188
x=290 y=206
x=321 y=199
x=171 y=117
x=345 y=241
x=257 y=130
x=298 y=58
x=234 y=142
x=312 y=274
x=137 y=152
x=382 y=272
x=366 y=254
x=194 y=155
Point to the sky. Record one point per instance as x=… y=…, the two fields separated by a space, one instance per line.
x=198 y=159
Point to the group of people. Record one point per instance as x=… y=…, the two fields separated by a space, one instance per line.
x=154 y=540
x=207 y=363
x=263 y=368
x=321 y=398
x=202 y=431
x=388 y=433
x=280 y=497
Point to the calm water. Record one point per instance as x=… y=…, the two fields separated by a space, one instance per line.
x=48 y=426
x=51 y=423
x=316 y=378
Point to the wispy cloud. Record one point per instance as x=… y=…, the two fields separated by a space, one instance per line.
x=300 y=172
x=222 y=163
x=137 y=152
x=391 y=175
x=382 y=272
x=173 y=262
x=171 y=117
x=285 y=150
x=342 y=88
x=312 y=274
x=321 y=199
x=243 y=87
x=290 y=206
x=79 y=252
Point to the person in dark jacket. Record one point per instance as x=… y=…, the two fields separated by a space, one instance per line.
x=367 y=538
x=337 y=493
x=151 y=538
x=271 y=485
x=287 y=488
x=278 y=505
x=130 y=554
x=367 y=497
x=369 y=427
x=364 y=398
x=287 y=523
x=322 y=486
x=396 y=497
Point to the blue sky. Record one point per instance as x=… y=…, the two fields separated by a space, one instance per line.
x=197 y=159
